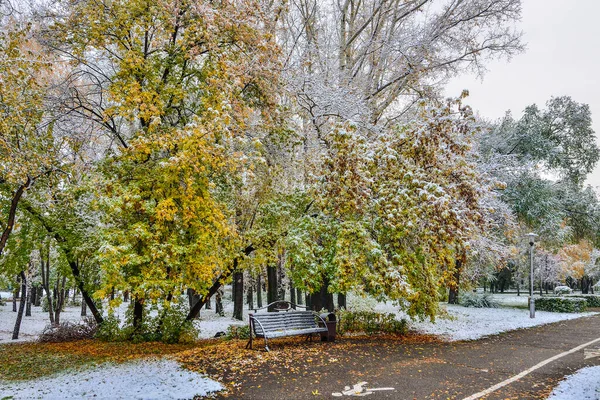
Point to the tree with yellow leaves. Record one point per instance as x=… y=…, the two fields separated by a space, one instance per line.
x=182 y=86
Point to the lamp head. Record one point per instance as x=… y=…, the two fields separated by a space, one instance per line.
x=531 y=236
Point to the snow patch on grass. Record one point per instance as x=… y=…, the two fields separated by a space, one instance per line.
x=148 y=379
x=582 y=385
x=464 y=323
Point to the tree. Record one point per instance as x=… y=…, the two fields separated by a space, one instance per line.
x=26 y=145
x=182 y=86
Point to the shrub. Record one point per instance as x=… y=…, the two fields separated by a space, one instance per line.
x=369 y=322
x=69 y=332
x=169 y=326
x=560 y=304
x=110 y=330
x=478 y=300
x=237 y=332
x=562 y=290
x=592 y=300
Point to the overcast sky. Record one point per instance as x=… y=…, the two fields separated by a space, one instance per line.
x=562 y=58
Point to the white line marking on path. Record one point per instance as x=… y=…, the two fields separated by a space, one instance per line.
x=528 y=371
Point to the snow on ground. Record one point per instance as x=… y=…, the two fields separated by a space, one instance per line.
x=474 y=323
x=582 y=385
x=463 y=323
x=460 y=323
x=148 y=379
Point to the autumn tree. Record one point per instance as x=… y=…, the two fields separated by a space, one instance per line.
x=182 y=88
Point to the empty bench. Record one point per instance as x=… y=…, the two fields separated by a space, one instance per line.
x=273 y=325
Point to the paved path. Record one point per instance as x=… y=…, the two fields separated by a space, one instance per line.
x=433 y=370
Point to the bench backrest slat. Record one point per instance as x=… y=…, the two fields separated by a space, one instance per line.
x=289 y=320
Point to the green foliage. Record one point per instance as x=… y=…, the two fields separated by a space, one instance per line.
x=560 y=304
x=369 y=322
x=237 y=332
x=110 y=330
x=592 y=300
x=168 y=326
x=468 y=299
x=45 y=305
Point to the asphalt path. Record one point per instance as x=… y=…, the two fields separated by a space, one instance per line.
x=394 y=369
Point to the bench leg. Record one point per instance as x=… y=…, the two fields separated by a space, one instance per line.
x=249 y=344
x=266 y=345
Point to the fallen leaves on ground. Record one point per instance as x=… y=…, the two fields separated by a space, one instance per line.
x=34 y=360
x=289 y=358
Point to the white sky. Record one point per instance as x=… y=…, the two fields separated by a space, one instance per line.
x=562 y=58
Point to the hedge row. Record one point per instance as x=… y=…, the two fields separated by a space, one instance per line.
x=593 y=300
x=370 y=322
x=561 y=304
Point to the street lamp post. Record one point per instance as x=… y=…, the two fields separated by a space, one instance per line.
x=531 y=237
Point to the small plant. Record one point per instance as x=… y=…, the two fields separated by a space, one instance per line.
x=561 y=304
x=237 y=332
x=478 y=300
x=369 y=322
x=560 y=290
x=110 y=330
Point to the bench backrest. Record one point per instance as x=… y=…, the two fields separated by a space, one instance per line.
x=289 y=320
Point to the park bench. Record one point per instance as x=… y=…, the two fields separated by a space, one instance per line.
x=286 y=321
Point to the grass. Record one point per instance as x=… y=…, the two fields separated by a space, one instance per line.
x=25 y=361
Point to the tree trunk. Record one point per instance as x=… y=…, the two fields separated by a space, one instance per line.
x=281 y=277
x=316 y=303
x=193 y=297
x=208 y=304
x=299 y=296
x=453 y=293
x=292 y=294
x=238 y=304
x=60 y=295
x=39 y=295
x=126 y=296
x=271 y=286
x=12 y=212
x=33 y=295
x=16 y=294
x=259 y=291
x=307 y=301
x=28 y=299
x=17 y=328
x=250 y=293
x=219 y=303
x=341 y=299
x=138 y=313
x=83 y=309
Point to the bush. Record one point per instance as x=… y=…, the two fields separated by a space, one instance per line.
x=110 y=330
x=172 y=329
x=478 y=300
x=560 y=304
x=237 y=332
x=562 y=290
x=369 y=322
x=69 y=332
x=592 y=300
